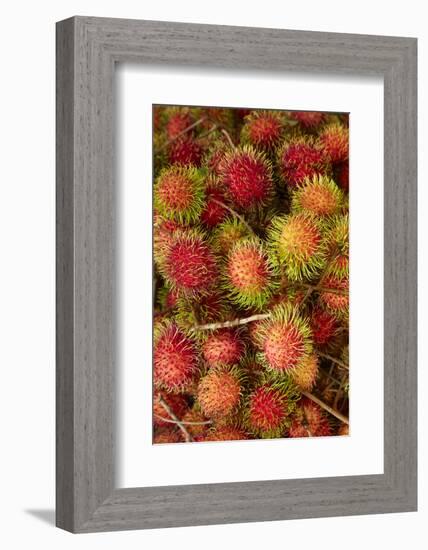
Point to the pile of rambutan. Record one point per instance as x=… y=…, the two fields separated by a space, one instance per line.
x=251 y=274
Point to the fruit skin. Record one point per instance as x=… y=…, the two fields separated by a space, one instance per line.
x=300 y=158
x=195 y=430
x=219 y=392
x=318 y=196
x=176 y=402
x=249 y=274
x=247 y=176
x=343 y=430
x=324 y=326
x=226 y=433
x=308 y=120
x=185 y=151
x=228 y=233
x=179 y=194
x=309 y=421
x=305 y=375
x=213 y=212
x=223 y=347
x=189 y=265
x=298 y=245
x=176 y=358
x=179 y=119
x=267 y=411
x=336 y=303
x=263 y=129
x=167 y=435
x=337 y=236
x=285 y=339
x=163 y=230
x=334 y=139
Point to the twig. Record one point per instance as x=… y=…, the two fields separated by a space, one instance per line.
x=234 y=213
x=326 y=407
x=185 y=423
x=165 y=145
x=210 y=131
x=233 y=323
x=334 y=360
x=229 y=139
x=186 y=434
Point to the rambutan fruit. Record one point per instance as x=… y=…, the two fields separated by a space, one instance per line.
x=343 y=429
x=318 y=196
x=214 y=155
x=219 y=392
x=341 y=175
x=247 y=176
x=189 y=265
x=285 y=339
x=300 y=158
x=214 y=212
x=179 y=194
x=298 y=245
x=223 y=347
x=208 y=308
x=179 y=119
x=176 y=358
x=167 y=435
x=335 y=295
x=263 y=129
x=305 y=375
x=337 y=236
x=334 y=139
x=266 y=412
x=228 y=233
x=185 y=151
x=324 y=326
x=195 y=422
x=309 y=420
x=226 y=433
x=163 y=230
x=176 y=403
x=249 y=274
x=308 y=120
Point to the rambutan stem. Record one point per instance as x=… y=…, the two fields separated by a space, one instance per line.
x=165 y=145
x=210 y=131
x=326 y=407
x=334 y=360
x=168 y=410
x=313 y=288
x=229 y=139
x=185 y=423
x=233 y=212
x=234 y=323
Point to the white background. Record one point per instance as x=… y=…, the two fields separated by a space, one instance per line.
x=362 y=451
x=27 y=272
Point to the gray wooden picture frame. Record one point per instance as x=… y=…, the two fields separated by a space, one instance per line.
x=87 y=51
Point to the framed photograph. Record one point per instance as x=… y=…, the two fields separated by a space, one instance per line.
x=236 y=274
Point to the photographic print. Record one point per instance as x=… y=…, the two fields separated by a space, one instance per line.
x=251 y=274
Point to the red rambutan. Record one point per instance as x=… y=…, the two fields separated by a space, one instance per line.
x=267 y=412
x=176 y=358
x=226 y=433
x=223 y=347
x=309 y=420
x=324 y=326
x=247 y=176
x=318 y=196
x=301 y=158
x=341 y=175
x=305 y=375
x=175 y=402
x=185 y=151
x=337 y=300
x=343 y=430
x=167 y=435
x=195 y=422
x=334 y=139
x=219 y=392
x=179 y=119
x=214 y=212
x=263 y=129
x=308 y=119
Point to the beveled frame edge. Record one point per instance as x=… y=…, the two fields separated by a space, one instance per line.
x=87 y=50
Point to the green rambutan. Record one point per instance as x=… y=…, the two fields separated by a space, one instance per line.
x=185 y=151
x=334 y=138
x=263 y=129
x=300 y=158
x=285 y=339
x=167 y=435
x=337 y=236
x=308 y=120
x=267 y=412
x=247 y=176
x=189 y=264
x=249 y=274
x=309 y=420
x=176 y=358
x=228 y=233
x=219 y=392
x=298 y=245
x=179 y=194
x=223 y=347
x=305 y=375
x=176 y=402
x=318 y=196
x=226 y=433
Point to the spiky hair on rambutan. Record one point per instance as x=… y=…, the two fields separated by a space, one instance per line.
x=308 y=120
x=305 y=375
x=214 y=211
x=263 y=129
x=175 y=402
x=226 y=433
x=335 y=296
x=167 y=435
x=178 y=120
x=224 y=347
x=318 y=196
x=228 y=233
x=299 y=158
x=247 y=177
x=324 y=326
x=219 y=392
x=267 y=410
x=163 y=230
x=179 y=194
x=208 y=308
x=214 y=155
x=189 y=265
x=285 y=339
x=298 y=245
x=185 y=151
x=195 y=422
x=249 y=276
x=309 y=420
x=334 y=138
x=337 y=236
x=175 y=358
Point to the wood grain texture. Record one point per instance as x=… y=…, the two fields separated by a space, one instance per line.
x=87 y=50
